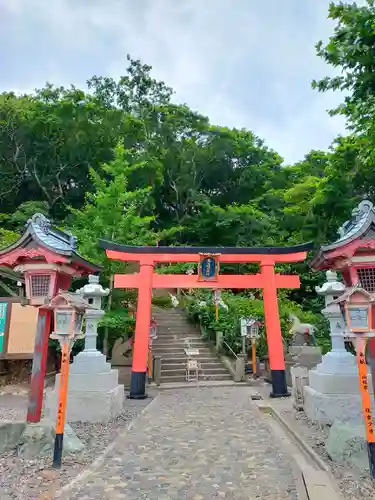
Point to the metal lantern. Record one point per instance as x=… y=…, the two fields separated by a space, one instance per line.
x=254 y=329
x=356 y=306
x=68 y=310
x=63 y=321
x=250 y=328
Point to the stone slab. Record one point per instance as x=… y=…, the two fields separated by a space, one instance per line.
x=124 y=375
x=347 y=445
x=88 y=363
x=92 y=382
x=10 y=433
x=318 y=485
x=38 y=440
x=325 y=409
x=306 y=349
x=328 y=383
x=338 y=363
x=88 y=406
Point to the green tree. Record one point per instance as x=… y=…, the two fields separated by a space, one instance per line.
x=113 y=212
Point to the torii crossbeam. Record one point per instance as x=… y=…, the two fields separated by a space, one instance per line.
x=209 y=260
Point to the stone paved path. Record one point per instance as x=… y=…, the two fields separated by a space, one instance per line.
x=194 y=444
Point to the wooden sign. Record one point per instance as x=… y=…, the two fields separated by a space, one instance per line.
x=209 y=266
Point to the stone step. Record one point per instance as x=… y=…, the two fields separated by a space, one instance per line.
x=169 y=337
x=180 y=378
x=182 y=359
x=206 y=365
x=203 y=371
x=173 y=355
x=179 y=344
x=183 y=329
x=175 y=351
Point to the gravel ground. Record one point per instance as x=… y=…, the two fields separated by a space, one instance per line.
x=353 y=485
x=35 y=480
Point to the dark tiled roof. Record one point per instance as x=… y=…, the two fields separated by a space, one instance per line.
x=40 y=229
x=50 y=236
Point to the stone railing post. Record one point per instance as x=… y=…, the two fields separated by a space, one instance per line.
x=219 y=340
x=157 y=370
x=239 y=374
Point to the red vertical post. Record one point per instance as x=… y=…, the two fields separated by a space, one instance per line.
x=142 y=328
x=43 y=330
x=273 y=330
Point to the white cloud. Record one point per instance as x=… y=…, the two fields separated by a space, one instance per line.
x=244 y=64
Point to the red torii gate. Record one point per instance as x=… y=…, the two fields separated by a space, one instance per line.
x=208 y=277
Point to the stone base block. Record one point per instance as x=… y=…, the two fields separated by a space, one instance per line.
x=38 y=440
x=10 y=433
x=87 y=362
x=305 y=350
x=289 y=365
x=91 y=382
x=83 y=406
x=347 y=445
x=328 y=383
x=325 y=409
x=124 y=375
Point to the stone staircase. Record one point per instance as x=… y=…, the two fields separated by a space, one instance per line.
x=174 y=335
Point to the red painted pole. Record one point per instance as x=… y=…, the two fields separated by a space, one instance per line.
x=142 y=327
x=43 y=330
x=273 y=330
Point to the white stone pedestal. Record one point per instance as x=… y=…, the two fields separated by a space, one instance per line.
x=333 y=392
x=94 y=393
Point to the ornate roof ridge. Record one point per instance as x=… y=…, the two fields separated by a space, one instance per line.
x=362 y=217
x=40 y=225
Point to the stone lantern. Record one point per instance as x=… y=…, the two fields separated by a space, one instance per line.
x=338 y=360
x=93 y=292
x=94 y=392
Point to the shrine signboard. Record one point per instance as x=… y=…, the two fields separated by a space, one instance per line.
x=209 y=267
x=17 y=329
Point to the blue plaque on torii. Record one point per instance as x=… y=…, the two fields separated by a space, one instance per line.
x=208 y=267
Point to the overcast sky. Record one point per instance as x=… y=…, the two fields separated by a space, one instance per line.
x=244 y=63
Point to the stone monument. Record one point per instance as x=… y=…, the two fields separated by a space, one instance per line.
x=333 y=390
x=94 y=392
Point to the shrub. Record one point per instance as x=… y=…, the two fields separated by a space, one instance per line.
x=200 y=309
x=162 y=301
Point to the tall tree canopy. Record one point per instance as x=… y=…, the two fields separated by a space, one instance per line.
x=121 y=160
